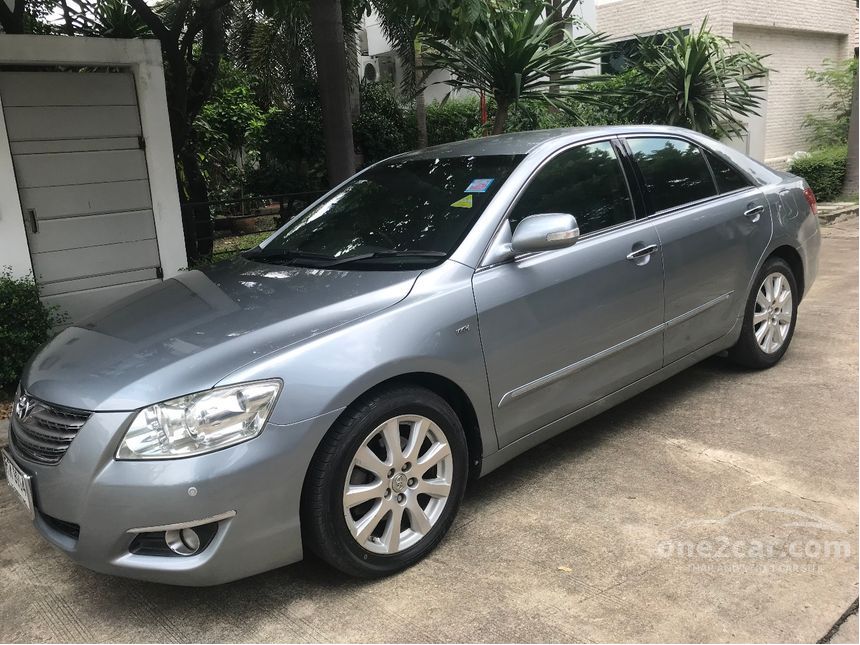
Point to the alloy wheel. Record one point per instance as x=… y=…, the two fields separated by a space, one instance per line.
x=773 y=313
x=398 y=484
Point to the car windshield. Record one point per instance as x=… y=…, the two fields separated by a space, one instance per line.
x=408 y=213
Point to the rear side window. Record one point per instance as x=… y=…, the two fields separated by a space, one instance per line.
x=586 y=181
x=728 y=177
x=675 y=172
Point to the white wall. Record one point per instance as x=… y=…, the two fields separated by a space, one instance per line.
x=143 y=59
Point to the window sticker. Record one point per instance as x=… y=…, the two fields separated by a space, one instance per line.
x=465 y=202
x=478 y=186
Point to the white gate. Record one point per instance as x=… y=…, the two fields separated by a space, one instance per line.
x=80 y=168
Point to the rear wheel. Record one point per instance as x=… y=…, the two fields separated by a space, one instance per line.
x=386 y=482
x=769 y=317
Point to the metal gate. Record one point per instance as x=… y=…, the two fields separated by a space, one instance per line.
x=81 y=172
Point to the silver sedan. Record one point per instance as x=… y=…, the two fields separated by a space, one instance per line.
x=426 y=321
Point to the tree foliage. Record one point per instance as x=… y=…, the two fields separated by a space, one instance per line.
x=828 y=126
x=696 y=80
x=515 y=56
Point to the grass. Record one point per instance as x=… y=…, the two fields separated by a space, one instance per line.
x=227 y=247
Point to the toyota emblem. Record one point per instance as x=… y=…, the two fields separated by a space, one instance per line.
x=24 y=406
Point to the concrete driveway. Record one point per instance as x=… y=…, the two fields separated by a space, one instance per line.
x=719 y=506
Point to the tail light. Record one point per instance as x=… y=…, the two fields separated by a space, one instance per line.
x=810 y=197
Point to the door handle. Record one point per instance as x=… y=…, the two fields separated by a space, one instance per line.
x=643 y=252
x=34 y=223
x=754 y=213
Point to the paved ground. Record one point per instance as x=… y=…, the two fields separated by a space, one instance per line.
x=653 y=522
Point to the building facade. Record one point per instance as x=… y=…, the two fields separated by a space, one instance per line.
x=796 y=36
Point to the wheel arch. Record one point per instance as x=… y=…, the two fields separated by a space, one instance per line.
x=792 y=258
x=456 y=398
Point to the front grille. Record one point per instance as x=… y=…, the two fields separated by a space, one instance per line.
x=43 y=432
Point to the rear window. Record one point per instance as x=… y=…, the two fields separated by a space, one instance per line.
x=728 y=177
x=675 y=172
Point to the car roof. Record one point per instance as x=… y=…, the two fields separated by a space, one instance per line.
x=522 y=143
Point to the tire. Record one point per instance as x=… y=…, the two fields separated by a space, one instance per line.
x=338 y=533
x=755 y=351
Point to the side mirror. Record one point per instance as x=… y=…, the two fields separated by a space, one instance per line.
x=545 y=232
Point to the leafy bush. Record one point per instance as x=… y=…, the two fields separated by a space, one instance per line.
x=225 y=130
x=823 y=170
x=828 y=126
x=453 y=120
x=382 y=129
x=292 y=153
x=25 y=324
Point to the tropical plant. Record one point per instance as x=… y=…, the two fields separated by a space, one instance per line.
x=515 y=56
x=29 y=17
x=828 y=126
x=403 y=22
x=696 y=80
x=271 y=41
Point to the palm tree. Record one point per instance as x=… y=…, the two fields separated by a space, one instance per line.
x=517 y=55
x=697 y=80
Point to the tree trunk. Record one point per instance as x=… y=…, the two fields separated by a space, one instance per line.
x=420 y=101
x=502 y=106
x=327 y=27
x=196 y=218
x=67 y=18
x=851 y=171
x=12 y=17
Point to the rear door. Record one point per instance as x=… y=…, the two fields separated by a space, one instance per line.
x=713 y=226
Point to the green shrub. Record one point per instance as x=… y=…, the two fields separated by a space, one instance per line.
x=453 y=120
x=25 y=323
x=382 y=128
x=292 y=152
x=823 y=170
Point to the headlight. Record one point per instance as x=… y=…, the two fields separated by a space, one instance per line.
x=199 y=423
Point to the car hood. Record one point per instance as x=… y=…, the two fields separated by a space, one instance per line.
x=189 y=332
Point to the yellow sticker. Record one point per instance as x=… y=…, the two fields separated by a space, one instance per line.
x=465 y=202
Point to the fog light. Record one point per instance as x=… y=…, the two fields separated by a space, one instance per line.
x=183 y=541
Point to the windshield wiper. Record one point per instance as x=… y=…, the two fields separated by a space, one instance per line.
x=287 y=257
x=385 y=254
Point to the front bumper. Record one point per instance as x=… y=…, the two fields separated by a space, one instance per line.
x=261 y=480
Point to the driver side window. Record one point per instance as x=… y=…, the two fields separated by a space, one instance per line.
x=587 y=182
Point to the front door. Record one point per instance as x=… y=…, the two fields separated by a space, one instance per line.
x=713 y=227
x=563 y=328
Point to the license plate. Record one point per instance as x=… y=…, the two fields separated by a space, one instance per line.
x=19 y=482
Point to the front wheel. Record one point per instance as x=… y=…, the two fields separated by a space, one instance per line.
x=386 y=482
x=769 y=317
